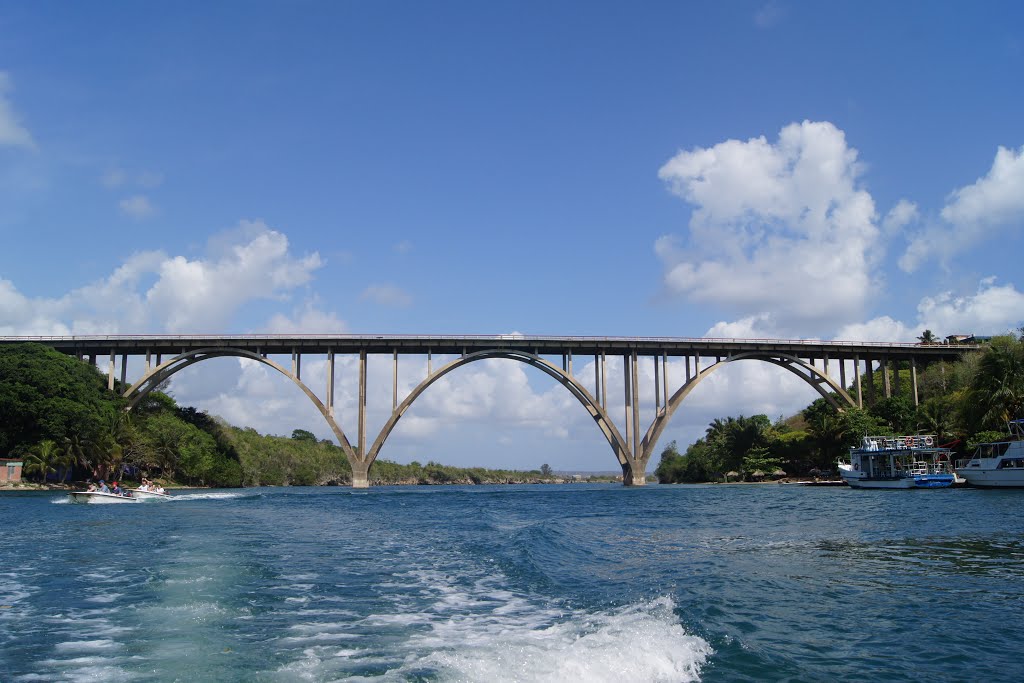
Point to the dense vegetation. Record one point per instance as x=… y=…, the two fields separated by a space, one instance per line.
x=961 y=403
x=58 y=415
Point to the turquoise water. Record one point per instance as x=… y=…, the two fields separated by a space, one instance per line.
x=532 y=583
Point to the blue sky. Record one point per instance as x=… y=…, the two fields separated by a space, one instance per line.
x=746 y=169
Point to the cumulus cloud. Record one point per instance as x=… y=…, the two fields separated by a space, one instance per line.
x=992 y=309
x=773 y=223
x=307 y=320
x=973 y=213
x=880 y=329
x=158 y=292
x=137 y=206
x=900 y=216
x=752 y=327
x=387 y=295
x=12 y=132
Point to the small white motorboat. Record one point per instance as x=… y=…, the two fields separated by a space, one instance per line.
x=99 y=497
x=147 y=494
x=999 y=464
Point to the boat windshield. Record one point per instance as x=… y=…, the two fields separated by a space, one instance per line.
x=991 y=450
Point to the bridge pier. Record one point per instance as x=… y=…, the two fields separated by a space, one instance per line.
x=634 y=474
x=360 y=475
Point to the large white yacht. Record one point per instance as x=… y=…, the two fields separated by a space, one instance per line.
x=999 y=464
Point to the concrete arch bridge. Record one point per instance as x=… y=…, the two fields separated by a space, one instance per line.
x=631 y=444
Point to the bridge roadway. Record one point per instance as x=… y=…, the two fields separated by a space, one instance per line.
x=813 y=361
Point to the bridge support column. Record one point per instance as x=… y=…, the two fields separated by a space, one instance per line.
x=634 y=472
x=360 y=475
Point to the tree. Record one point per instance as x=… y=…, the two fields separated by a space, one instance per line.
x=45 y=459
x=928 y=337
x=996 y=393
x=546 y=471
x=47 y=395
x=897 y=412
x=303 y=435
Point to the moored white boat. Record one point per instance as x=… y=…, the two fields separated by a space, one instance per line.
x=99 y=497
x=999 y=464
x=146 y=494
x=897 y=462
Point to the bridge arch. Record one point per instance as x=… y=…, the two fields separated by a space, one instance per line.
x=625 y=458
x=164 y=371
x=819 y=381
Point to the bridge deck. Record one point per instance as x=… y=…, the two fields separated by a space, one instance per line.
x=458 y=344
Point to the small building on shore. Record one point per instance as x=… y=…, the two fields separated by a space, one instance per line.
x=10 y=470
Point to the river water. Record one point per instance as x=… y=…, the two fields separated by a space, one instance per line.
x=515 y=583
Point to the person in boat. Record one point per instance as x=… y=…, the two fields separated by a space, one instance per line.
x=103 y=487
x=144 y=486
x=91 y=488
x=117 y=490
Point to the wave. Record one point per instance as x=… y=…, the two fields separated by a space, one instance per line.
x=515 y=638
x=213 y=495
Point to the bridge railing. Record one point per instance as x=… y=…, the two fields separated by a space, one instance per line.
x=478 y=338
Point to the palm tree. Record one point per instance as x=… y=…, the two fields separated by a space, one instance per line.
x=928 y=337
x=76 y=452
x=996 y=393
x=44 y=459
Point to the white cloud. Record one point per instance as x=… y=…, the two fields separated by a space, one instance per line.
x=12 y=133
x=308 y=320
x=753 y=327
x=197 y=295
x=900 y=216
x=993 y=309
x=772 y=223
x=881 y=329
x=387 y=295
x=137 y=206
x=973 y=213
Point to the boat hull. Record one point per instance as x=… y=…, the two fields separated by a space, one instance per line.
x=857 y=480
x=934 y=481
x=994 y=478
x=98 y=497
x=149 y=495
x=906 y=483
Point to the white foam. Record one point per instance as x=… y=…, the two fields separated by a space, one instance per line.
x=642 y=642
x=88 y=645
x=519 y=639
x=211 y=495
x=319 y=637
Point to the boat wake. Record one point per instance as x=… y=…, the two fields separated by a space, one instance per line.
x=212 y=495
x=486 y=633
